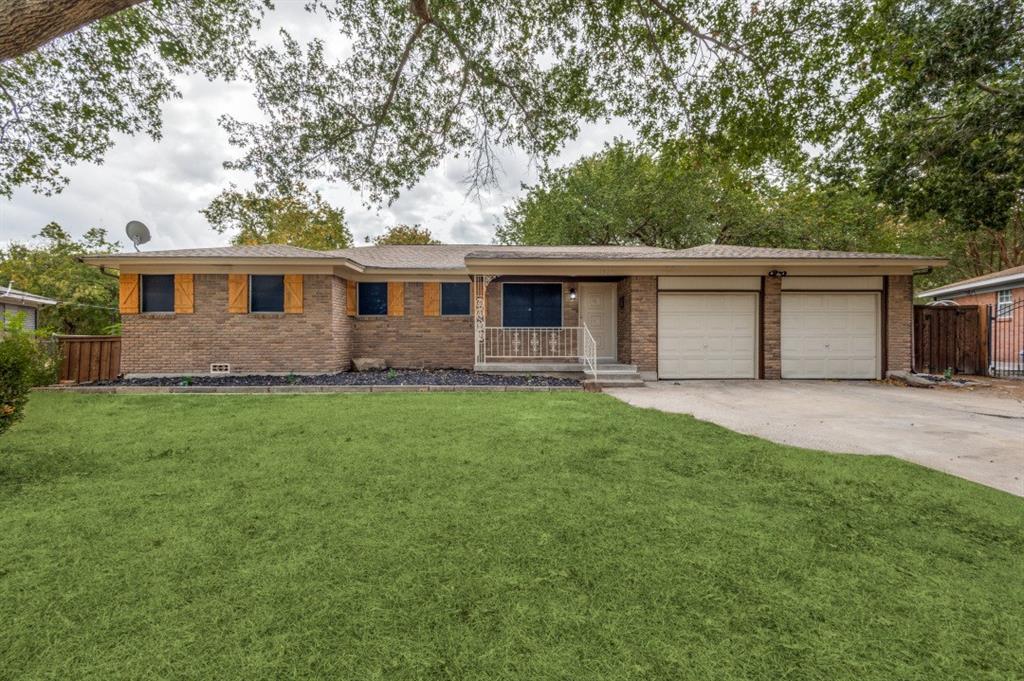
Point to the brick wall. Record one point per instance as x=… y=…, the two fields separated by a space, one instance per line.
x=312 y=342
x=415 y=341
x=642 y=309
x=772 y=324
x=899 y=322
x=623 y=300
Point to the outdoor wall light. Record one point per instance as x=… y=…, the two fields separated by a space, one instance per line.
x=572 y=294
x=777 y=274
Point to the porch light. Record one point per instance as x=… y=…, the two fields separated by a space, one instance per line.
x=572 y=294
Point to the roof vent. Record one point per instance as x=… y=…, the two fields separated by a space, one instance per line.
x=220 y=368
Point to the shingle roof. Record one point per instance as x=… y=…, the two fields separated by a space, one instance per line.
x=453 y=256
x=1008 y=275
x=723 y=251
x=260 y=251
x=17 y=297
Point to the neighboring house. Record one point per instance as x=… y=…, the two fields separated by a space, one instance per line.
x=706 y=312
x=1000 y=294
x=13 y=301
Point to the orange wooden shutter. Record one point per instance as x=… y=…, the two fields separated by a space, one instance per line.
x=238 y=293
x=293 y=293
x=396 y=298
x=431 y=299
x=350 y=298
x=129 y=293
x=184 y=294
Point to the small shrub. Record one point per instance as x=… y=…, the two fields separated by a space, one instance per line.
x=185 y=381
x=948 y=373
x=23 y=363
x=392 y=374
x=291 y=378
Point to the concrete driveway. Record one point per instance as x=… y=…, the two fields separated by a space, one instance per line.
x=977 y=434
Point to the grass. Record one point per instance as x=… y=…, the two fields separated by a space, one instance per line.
x=483 y=536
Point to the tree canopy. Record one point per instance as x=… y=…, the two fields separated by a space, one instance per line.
x=49 y=267
x=407 y=235
x=299 y=218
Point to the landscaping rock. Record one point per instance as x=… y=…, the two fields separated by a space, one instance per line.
x=401 y=377
x=369 y=364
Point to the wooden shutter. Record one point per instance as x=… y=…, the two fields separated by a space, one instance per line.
x=396 y=298
x=129 y=293
x=238 y=293
x=293 y=293
x=350 y=298
x=184 y=294
x=431 y=299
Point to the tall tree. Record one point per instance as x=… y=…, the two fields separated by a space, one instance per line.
x=50 y=267
x=298 y=218
x=405 y=235
x=678 y=198
x=27 y=24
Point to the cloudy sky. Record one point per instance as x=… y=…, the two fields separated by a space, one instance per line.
x=166 y=183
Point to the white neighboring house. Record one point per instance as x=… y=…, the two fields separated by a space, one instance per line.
x=13 y=301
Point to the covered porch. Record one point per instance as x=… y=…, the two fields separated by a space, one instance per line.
x=552 y=324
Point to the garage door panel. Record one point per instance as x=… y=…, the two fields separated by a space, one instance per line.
x=707 y=335
x=830 y=335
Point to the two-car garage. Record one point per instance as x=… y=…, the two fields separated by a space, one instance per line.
x=711 y=327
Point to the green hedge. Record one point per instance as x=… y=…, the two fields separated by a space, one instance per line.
x=24 y=362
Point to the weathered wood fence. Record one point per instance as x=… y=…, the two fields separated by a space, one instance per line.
x=87 y=359
x=949 y=338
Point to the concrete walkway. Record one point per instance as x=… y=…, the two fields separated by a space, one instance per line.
x=977 y=434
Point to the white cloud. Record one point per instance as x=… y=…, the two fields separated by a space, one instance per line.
x=165 y=183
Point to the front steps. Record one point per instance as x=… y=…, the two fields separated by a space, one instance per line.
x=608 y=375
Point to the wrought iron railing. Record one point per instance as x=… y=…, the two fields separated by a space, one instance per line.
x=533 y=342
x=589 y=352
x=1006 y=339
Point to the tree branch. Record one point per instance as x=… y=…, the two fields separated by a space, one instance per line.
x=28 y=24
x=706 y=38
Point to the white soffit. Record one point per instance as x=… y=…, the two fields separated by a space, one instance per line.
x=832 y=284
x=709 y=283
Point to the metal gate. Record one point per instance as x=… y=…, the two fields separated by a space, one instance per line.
x=1006 y=339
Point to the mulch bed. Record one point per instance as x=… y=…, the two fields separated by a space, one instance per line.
x=387 y=377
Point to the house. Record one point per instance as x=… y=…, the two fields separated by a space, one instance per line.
x=1000 y=295
x=706 y=312
x=13 y=302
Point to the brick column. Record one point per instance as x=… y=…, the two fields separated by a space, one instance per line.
x=643 y=323
x=899 y=322
x=772 y=323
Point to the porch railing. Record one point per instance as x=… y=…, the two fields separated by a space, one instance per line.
x=511 y=343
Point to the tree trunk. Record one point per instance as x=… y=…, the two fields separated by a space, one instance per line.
x=28 y=24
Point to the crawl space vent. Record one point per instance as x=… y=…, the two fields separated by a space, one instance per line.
x=220 y=368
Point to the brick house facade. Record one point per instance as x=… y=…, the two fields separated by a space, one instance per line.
x=320 y=329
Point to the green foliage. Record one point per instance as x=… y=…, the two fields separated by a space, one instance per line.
x=678 y=198
x=484 y=536
x=64 y=103
x=405 y=235
x=24 y=363
x=49 y=267
x=298 y=217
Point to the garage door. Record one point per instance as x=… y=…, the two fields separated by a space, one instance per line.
x=830 y=335
x=707 y=335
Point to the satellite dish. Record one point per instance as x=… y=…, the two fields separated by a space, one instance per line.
x=137 y=232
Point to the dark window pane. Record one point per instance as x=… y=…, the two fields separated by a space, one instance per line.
x=158 y=293
x=455 y=299
x=532 y=305
x=373 y=298
x=266 y=293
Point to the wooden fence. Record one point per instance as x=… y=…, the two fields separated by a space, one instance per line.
x=948 y=338
x=87 y=359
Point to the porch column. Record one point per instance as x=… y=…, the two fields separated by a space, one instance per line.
x=772 y=327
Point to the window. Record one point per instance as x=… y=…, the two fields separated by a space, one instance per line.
x=373 y=298
x=531 y=305
x=454 y=299
x=157 y=292
x=266 y=293
x=1004 y=303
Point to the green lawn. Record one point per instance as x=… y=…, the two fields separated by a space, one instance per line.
x=473 y=536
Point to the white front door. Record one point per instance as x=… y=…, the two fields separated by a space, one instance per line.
x=830 y=335
x=707 y=335
x=598 y=312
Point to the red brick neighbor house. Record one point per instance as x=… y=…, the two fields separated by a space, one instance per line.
x=706 y=312
x=1000 y=295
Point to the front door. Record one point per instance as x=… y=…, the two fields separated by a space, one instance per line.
x=598 y=312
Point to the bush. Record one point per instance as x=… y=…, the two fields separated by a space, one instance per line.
x=24 y=362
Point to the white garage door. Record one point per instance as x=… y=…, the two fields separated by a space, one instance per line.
x=707 y=335
x=830 y=335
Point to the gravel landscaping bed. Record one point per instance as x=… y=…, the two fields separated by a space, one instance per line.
x=387 y=377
